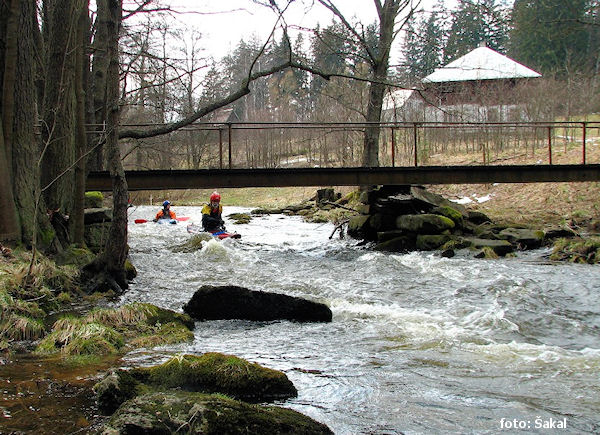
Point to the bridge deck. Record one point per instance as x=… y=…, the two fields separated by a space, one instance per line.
x=212 y=178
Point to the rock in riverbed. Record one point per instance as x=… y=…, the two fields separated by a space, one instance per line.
x=232 y=302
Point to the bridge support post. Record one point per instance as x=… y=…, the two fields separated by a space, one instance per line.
x=549 y=145
x=584 y=137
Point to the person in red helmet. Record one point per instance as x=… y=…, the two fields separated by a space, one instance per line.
x=211 y=213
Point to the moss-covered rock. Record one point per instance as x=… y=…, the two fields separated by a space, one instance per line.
x=358 y=226
x=96 y=235
x=424 y=223
x=196 y=413
x=500 y=247
x=240 y=218
x=397 y=244
x=130 y=270
x=525 y=238
x=114 y=389
x=478 y=217
x=75 y=255
x=219 y=373
x=450 y=213
x=429 y=242
x=93 y=199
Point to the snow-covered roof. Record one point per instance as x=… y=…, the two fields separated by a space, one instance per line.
x=396 y=98
x=483 y=63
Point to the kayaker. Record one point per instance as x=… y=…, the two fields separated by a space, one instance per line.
x=166 y=212
x=211 y=213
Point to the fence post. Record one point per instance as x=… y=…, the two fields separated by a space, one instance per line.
x=584 y=124
x=550 y=144
x=220 y=148
x=415 y=139
x=229 y=138
x=393 y=147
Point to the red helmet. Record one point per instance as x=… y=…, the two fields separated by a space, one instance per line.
x=215 y=197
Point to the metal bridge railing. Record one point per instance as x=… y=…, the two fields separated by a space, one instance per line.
x=251 y=145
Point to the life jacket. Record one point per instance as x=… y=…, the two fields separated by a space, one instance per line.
x=212 y=212
x=165 y=214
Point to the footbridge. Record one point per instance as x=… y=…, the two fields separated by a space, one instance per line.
x=279 y=154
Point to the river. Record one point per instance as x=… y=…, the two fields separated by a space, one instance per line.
x=418 y=343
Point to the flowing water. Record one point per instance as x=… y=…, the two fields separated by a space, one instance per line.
x=418 y=343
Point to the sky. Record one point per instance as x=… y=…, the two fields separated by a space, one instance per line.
x=224 y=23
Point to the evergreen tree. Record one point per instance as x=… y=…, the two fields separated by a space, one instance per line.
x=476 y=22
x=553 y=35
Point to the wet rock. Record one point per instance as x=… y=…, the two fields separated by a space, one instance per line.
x=232 y=302
x=557 y=233
x=95 y=236
x=196 y=413
x=500 y=247
x=477 y=217
x=431 y=242
x=240 y=218
x=429 y=200
x=397 y=244
x=424 y=223
x=358 y=226
x=450 y=213
x=525 y=238
x=114 y=389
x=97 y=215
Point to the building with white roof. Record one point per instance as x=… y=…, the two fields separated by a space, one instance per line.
x=483 y=85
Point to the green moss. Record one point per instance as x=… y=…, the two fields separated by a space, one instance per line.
x=170 y=333
x=130 y=270
x=426 y=242
x=93 y=199
x=216 y=372
x=450 y=213
x=75 y=255
x=195 y=243
x=46 y=236
x=240 y=218
x=185 y=412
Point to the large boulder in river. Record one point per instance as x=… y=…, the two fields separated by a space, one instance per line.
x=209 y=373
x=197 y=413
x=232 y=302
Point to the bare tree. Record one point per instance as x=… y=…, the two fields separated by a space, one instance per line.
x=392 y=15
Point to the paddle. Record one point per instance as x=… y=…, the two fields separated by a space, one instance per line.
x=143 y=221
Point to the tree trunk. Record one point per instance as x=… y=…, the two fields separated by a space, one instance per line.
x=9 y=224
x=107 y=272
x=98 y=82
x=380 y=61
x=58 y=129
x=81 y=68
